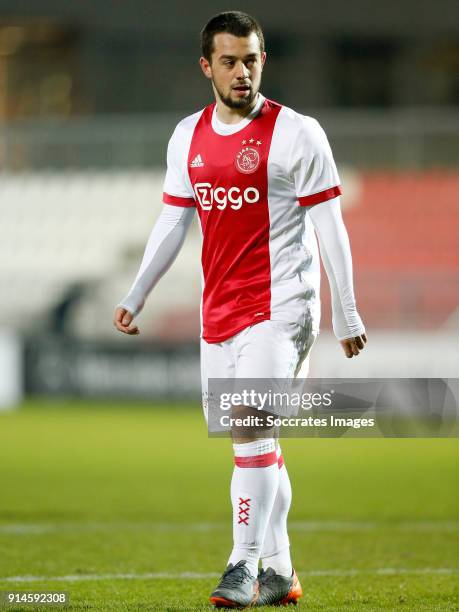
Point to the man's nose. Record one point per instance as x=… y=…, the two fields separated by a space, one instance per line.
x=242 y=72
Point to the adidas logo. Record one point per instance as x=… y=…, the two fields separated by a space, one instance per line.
x=197 y=162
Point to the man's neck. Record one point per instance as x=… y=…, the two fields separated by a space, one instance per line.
x=234 y=115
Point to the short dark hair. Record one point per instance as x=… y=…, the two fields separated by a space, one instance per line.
x=233 y=22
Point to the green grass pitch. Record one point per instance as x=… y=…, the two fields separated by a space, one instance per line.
x=126 y=507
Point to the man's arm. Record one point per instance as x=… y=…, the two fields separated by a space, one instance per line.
x=336 y=256
x=162 y=248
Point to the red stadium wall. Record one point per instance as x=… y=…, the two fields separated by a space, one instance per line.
x=404 y=237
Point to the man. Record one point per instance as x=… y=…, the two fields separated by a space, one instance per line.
x=262 y=178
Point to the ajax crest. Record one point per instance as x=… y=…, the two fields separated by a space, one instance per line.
x=248 y=158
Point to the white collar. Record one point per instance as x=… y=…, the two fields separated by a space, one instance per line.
x=225 y=129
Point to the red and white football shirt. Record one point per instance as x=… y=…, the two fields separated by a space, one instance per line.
x=251 y=183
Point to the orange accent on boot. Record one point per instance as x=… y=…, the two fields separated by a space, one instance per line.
x=256 y=595
x=221 y=602
x=295 y=592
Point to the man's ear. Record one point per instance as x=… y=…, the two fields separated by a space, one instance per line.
x=263 y=59
x=205 y=67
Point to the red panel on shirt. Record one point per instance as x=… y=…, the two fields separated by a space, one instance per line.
x=231 y=190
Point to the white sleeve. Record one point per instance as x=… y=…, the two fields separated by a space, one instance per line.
x=312 y=165
x=177 y=185
x=163 y=246
x=336 y=256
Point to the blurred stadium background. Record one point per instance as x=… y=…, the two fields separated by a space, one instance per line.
x=101 y=482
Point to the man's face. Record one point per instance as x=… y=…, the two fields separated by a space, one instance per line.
x=235 y=68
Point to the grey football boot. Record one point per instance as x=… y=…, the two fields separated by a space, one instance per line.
x=237 y=587
x=276 y=590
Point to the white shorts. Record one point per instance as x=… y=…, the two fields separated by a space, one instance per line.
x=269 y=349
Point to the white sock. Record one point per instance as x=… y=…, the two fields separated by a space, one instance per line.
x=253 y=490
x=276 y=546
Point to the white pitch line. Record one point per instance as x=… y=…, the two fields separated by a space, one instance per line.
x=373 y=525
x=387 y=571
x=311 y=526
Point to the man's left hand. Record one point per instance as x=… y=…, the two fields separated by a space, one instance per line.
x=353 y=346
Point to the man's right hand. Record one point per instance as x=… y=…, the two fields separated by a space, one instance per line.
x=122 y=321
